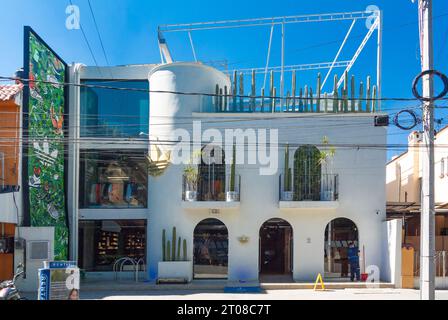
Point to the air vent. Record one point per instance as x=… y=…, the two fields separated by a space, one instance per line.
x=39 y=250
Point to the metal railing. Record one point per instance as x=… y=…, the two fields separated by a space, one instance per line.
x=440 y=260
x=135 y=263
x=212 y=188
x=324 y=187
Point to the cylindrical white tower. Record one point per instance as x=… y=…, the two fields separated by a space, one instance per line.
x=170 y=111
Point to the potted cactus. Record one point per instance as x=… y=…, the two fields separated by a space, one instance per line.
x=287 y=193
x=326 y=160
x=191 y=175
x=232 y=195
x=174 y=265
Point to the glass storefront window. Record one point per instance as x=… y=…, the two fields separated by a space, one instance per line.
x=114 y=113
x=102 y=242
x=341 y=249
x=113 y=179
x=211 y=250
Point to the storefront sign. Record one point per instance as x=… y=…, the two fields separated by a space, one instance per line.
x=44 y=147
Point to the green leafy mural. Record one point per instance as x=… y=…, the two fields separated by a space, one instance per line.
x=46 y=143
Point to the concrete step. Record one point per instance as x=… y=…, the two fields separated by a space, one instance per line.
x=328 y=285
x=213 y=285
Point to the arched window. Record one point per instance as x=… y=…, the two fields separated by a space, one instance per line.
x=212 y=174
x=211 y=249
x=307 y=173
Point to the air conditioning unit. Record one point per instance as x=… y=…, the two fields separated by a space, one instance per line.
x=38 y=250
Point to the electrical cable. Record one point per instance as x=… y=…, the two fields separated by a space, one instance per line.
x=98 y=32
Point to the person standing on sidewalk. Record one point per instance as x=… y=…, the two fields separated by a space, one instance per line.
x=353 y=259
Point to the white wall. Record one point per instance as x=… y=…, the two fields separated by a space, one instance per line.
x=361 y=174
x=9 y=213
x=391 y=267
x=31 y=283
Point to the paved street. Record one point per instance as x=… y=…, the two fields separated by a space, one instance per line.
x=343 y=294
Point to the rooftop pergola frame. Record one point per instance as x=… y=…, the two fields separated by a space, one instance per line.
x=375 y=26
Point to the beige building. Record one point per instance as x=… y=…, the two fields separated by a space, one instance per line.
x=403 y=187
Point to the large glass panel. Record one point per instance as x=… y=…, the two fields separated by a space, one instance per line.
x=112 y=112
x=113 y=179
x=341 y=250
x=103 y=242
x=276 y=247
x=211 y=249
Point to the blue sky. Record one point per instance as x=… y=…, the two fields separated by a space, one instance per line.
x=128 y=29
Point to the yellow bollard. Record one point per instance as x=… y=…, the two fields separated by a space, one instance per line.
x=319 y=279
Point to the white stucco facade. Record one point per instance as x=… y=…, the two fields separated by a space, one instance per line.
x=361 y=174
x=360 y=170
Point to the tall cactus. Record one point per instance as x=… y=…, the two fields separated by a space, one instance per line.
x=253 y=92
x=272 y=91
x=293 y=90
x=361 y=93
x=163 y=245
x=374 y=97
x=173 y=253
x=352 y=94
x=262 y=100
x=345 y=92
x=232 y=170
x=168 y=250
x=368 y=102
x=234 y=91
x=305 y=99
x=185 y=249
x=335 y=94
x=241 y=92
x=216 y=98
x=318 y=91
x=178 y=249
x=287 y=176
x=224 y=107
x=311 y=99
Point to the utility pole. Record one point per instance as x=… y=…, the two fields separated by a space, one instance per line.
x=427 y=248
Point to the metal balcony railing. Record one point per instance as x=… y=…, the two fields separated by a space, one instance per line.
x=212 y=188
x=322 y=187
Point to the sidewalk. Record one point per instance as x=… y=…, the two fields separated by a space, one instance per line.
x=300 y=294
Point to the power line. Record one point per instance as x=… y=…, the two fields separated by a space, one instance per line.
x=98 y=32
x=26 y=81
x=86 y=40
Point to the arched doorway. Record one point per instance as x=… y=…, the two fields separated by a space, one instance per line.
x=212 y=174
x=211 y=250
x=307 y=173
x=276 y=249
x=340 y=233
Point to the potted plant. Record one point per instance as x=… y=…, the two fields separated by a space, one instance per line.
x=232 y=195
x=326 y=160
x=191 y=175
x=287 y=193
x=173 y=265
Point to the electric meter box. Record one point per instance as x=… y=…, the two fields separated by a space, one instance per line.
x=59 y=280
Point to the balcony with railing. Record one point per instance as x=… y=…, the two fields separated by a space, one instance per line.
x=309 y=191
x=212 y=191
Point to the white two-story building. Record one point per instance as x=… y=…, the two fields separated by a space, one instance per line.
x=258 y=217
